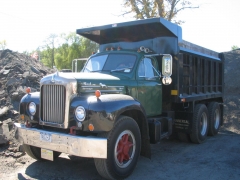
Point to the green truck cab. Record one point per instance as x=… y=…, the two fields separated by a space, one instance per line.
x=144 y=84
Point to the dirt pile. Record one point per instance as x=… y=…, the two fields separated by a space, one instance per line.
x=17 y=71
x=231 y=72
x=232 y=91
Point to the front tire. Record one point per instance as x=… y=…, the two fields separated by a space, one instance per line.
x=200 y=124
x=35 y=152
x=124 y=142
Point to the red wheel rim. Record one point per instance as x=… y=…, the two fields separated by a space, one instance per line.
x=124 y=149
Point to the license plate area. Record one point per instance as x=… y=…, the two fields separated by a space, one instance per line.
x=47 y=154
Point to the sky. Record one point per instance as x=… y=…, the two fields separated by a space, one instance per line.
x=25 y=24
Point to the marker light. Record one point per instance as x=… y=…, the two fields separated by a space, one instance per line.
x=97 y=93
x=183 y=100
x=28 y=90
x=90 y=127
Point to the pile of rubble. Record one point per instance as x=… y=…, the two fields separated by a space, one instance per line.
x=231 y=72
x=232 y=91
x=17 y=71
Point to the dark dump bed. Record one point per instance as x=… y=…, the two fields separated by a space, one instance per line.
x=132 y=31
x=157 y=34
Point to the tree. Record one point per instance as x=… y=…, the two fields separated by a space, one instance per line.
x=88 y=47
x=234 y=47
x=70 y=46
x=3 y=44
x=48 y=55
x=167 y=9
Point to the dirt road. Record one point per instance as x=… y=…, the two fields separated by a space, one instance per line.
x=217 y=158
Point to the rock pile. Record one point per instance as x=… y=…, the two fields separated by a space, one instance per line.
x=232 y=91
x=231 y=72
x=17 y=71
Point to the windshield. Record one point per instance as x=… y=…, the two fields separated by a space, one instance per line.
x=111 y=62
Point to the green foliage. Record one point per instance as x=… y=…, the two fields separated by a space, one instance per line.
x=45 y=58
x=70 y=46
x=234 y=47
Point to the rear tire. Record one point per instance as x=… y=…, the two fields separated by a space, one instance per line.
x=35 y=152
x=123 y=149
x=214 y=118
x=200 y=124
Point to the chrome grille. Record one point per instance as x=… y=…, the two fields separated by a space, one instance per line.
x=53 y=99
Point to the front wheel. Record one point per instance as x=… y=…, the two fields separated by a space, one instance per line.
x=124 y=142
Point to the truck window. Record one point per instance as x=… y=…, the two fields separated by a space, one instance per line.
x=111 y=62
x=95 y=63
x=148 y=68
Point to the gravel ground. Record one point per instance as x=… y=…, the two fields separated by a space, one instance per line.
x=217 y=158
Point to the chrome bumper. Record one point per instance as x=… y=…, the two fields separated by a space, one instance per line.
x=92 y=147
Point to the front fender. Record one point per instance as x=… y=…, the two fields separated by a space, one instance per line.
x=23 y=107
x=104 y=111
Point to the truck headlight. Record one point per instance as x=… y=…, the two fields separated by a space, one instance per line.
x=80 y=113
x=32 y=108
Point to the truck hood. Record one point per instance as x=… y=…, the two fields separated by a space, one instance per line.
x=89 y=76
x=89 y=82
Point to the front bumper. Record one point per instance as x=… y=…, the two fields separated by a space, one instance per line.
x=91 y=147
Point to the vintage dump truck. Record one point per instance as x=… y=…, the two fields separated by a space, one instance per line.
x=143 y=85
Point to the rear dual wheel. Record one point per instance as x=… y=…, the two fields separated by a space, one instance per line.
x=214 y=118
x=206 y=121
x=200 y=124
x=124 y=142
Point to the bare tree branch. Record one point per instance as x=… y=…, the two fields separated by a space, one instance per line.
x=186 y=8
x=167 y=9
x=146 y=8
x=161 y=8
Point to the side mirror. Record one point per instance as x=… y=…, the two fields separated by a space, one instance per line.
x=167 y=65
x=167 y=69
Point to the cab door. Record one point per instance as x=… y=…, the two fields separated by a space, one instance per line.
x=149 y=90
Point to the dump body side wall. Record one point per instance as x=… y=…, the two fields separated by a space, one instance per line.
x=195 y=78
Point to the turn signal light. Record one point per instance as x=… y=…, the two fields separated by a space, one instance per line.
x=90 y=127
x=22 y=117
x=97 y=93
x=28 y=90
